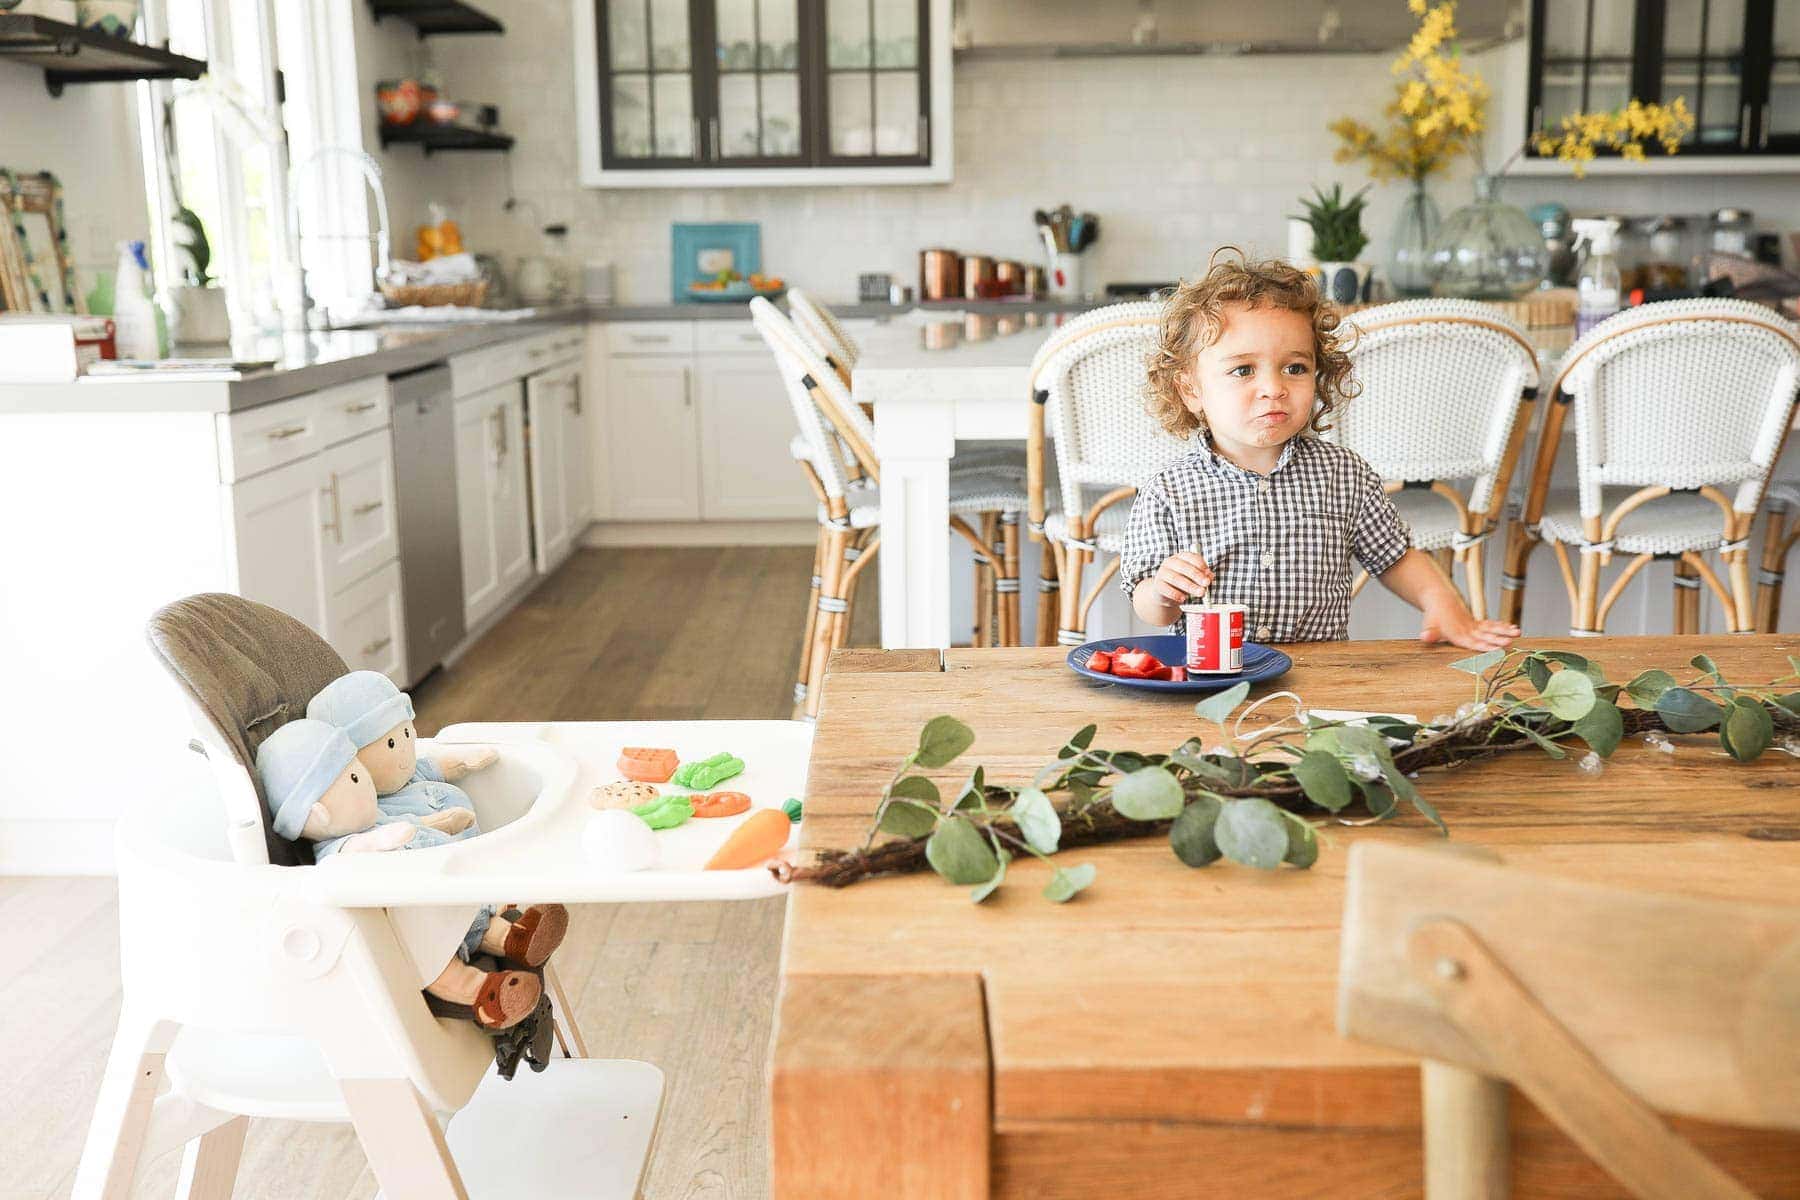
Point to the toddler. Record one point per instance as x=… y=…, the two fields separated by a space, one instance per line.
x=1264 y=513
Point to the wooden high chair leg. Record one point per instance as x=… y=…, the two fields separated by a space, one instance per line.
x=402 y=1140
x=1584 y=621
x=209 y=1163
x=1687 y=597
x=830 y=608
x=1071 y=627
x=863 y=544
x=1778 y=542
x=812 y=622
x=1011 y=632
x=134 y=1071
x=984 y=585
x=1519 y=545
x=1048 y=594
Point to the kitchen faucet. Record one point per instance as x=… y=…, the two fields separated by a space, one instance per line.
x=371 y=172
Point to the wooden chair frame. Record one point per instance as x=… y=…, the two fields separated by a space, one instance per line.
x=1779 y=540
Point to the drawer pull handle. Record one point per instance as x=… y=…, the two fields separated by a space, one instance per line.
x=336 y=525
x=363 y=510
x=364 y=407
x=286 y=432
x=646 y=339
x=377 y=646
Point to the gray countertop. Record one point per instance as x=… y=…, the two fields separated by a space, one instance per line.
x=307 y=362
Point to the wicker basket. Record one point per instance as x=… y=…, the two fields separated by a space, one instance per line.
x=402 y=295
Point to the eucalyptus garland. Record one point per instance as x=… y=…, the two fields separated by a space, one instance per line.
x=1261 y=799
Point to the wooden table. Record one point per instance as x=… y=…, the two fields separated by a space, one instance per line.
x=1170 y=1031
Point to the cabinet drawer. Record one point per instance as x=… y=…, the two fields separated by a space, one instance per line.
x=271 y=436
x=365 y=624
x=729 y=337
x=352 y=410
x=650 y=337
x=481 y=369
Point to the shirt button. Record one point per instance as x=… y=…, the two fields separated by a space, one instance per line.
x=1263 y=487
x=1262 y=633
x=1268 y=558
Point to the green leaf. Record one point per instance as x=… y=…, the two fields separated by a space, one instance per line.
x=1191 y=836
x=1252 y=832
x=1036 y=818
x=1377 y=795
x=1479 y=663
x=908 y=819
x=1648 y=687
x=1067 y=881
x=973 y=790
x=1218 y=706
x=1747 y=730
x=1538 y=671
x=1687 y=712
x=1569 y=695
x=1601 y=728
x=1545 y=744
x=987 y=889
x=1585 y=665
x=1701 y=662
x=1428 y=810
x=1322 y=778
x=1084 y=737
x=959 y=853
x=1791 y=702
x=915 y=787
x=942 y=739
x=1150 y=794
x=1303 y=843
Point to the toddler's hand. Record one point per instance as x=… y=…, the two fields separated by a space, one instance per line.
x=1453 y=623
x=450 y=820
x=1180 y=576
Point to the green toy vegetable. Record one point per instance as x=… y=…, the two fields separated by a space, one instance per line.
x=707 y=774
x=665 y=812
x=792 y=809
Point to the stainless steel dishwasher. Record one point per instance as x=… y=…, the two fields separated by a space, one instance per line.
x=431 y=572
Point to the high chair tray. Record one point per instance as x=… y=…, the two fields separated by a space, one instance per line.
x=533 y=807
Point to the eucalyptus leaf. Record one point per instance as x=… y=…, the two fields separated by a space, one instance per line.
x=1322 y=778
x=1083 y=738
x=1377 y=795
x=1149 y=794
x=1545 y=744
x=959 y=852
x=987 y=889
x=1649 y=686
x=1252 y=832
x=1791 y=702
x=908 y=819
x=1036 y=818
x=1428 y=810
x=1196 y=764
x=1569 y=695
x=1538 y=671
x=1601 y=728
x=1218 y=706
x=1303 y=843
x=1702 y=662
x=915 y=787
x=1479 y=663
x=941 y=741
x=1747 y=729
x=1191 y=836
x=1687 y=712
x=1578 y=662
x=973 y=791
x=1067 y=881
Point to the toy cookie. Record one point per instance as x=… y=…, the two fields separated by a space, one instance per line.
x=623 y=794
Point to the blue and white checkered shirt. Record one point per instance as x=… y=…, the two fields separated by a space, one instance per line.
x=1280 y=545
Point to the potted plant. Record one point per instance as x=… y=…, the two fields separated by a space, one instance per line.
x=201 y=314
x=1338 y=238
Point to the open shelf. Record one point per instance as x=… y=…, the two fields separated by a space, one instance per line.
x=437 y=16
x=69 y=54
x=443 y=137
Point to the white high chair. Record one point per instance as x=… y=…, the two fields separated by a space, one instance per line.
x=296 y=1000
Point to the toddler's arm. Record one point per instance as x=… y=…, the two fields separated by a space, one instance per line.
x=1158 y=568
x=1416 y=579
x=1158 y=599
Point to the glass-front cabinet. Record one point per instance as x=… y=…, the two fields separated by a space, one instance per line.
x=763 y=85
x=1736 y=62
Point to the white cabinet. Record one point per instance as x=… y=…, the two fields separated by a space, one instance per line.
x=278 y=521
x=746 y=423
x=652 y=438
x=359 y=487
x=578 y=474
x=546 y=405
x=368 y=625
x=491 y=501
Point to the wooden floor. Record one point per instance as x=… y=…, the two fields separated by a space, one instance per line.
x=680 y=634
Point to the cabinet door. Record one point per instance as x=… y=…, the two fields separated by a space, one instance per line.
x=578 y=483
x=361 y=531
x=745 y=426
x=544 y=408
x=278 y=519
x=478 y=439
x=511 y=504
x=758 y=91
x=1779 y=117
x=875 y=86
x=1589 y=57
x=366 y=624
x=653 y=457
x=1702 y=60
x=648 y=115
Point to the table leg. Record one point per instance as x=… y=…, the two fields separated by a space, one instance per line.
x=914 y=441
x=880 y=1088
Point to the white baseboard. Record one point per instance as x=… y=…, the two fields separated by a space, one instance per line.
x=701 y=533
x=56 y=846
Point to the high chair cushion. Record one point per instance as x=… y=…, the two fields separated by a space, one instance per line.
x=251 y=669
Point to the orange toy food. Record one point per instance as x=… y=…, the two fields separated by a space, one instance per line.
x=721 y=804
x=759 y=838
x=647 y=764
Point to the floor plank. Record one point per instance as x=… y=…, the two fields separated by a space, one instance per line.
x=671 y=634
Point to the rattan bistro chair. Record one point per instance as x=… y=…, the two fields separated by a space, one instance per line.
x=849 y=517
x=1088 y=384
x=822 y=328
x=1779 y=540
x=1445 y=389
x=1673 y=403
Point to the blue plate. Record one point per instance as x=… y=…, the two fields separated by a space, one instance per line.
x=1260 y=663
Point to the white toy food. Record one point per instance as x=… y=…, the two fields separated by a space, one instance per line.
x=617 y=841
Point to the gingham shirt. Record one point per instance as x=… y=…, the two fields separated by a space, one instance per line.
x=1280 y=545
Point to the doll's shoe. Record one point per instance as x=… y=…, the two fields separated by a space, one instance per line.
x=503 y=1000
x=535 y=933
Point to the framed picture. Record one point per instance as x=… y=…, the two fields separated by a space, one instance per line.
x=31 y=211
x=700 y=252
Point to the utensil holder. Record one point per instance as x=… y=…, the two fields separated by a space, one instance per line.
x=1062 y=274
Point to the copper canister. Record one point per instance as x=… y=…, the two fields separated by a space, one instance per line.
x=940 y=275
x=1034 y=282
x=977 y=275
x=1011 y=276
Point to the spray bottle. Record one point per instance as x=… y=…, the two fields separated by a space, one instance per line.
x=134 y=314
x=1597 y=287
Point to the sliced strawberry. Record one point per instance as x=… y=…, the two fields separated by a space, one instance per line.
x=1163 y=673
x=1130 y=661
x=1178 y=674
x=1101 y=661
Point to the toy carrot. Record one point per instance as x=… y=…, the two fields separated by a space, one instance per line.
x=761 y=835
x=721 y=804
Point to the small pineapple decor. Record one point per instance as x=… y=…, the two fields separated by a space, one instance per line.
x=1338 y=238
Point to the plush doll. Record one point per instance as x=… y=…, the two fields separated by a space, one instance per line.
x=320 y=790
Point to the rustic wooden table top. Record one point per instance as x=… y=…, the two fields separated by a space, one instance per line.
x=1170 y=1031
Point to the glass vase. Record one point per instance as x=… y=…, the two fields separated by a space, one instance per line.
x=1409 y=249
x=1488 y=250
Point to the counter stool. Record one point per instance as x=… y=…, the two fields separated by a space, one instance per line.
x=850 y=516
x=1445 y=390
x=1674 y=403
x=1779 y=540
